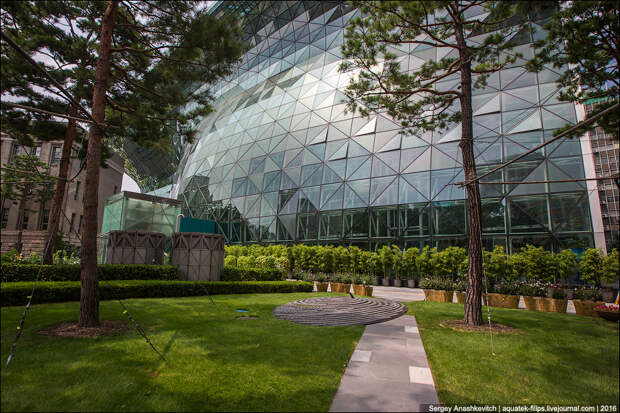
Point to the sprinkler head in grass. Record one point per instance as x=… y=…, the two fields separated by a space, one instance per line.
x=242 y=311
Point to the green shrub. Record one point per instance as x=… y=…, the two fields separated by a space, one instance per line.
x=16 y=293
x=230 y=261
x=246 y=261
x=534 y=289
x=28 y=272
x=437 y=283
x=266 y=261
x=535 y=263
x=557 y=292
x=251 y=274
x=589 y=294
x=507 y=288
x=496 y=265
x=410 y=257
x=448 y=261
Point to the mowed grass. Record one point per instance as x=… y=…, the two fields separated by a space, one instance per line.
x=216 y=362
x=551 y=359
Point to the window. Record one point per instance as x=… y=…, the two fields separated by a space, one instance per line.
x=55 y=155
x=79 y=229
x=77 y=190
x=25 y=223
x=17 y=150
x=5 y=217
x=71 y=222
x=37 y=151
x=45 y=217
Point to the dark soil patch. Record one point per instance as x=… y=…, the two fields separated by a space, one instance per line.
x=459 y=325
x=105 y=328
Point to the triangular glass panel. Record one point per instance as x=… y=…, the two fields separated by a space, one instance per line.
x=351 y=199
x=407 y=156
x=361 y=188
x=355 y=149
x=380 y=185
x=340 y=153
x=407 y=194
x=327 y=193
x=367 y=128
x=359 y=168
x=420 y=181
x=309 y=199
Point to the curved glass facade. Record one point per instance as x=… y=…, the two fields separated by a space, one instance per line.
x=280 y=161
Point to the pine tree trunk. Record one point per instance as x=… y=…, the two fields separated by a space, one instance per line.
x=473 y=298
x=20 y=223
x=89 y=295
x=59 y=195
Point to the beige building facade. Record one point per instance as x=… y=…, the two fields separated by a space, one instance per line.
x=37 y=215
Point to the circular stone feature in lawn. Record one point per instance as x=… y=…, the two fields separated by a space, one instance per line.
x=340 y=311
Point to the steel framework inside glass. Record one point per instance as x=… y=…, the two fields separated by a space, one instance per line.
x=279 y=160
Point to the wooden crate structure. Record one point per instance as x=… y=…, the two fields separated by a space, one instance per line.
x=199 y=256
x=135 y=247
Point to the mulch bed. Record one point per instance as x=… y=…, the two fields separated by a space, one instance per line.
x=72 y=330
x=459 y=325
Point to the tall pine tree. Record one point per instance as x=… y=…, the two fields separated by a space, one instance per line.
x=148 y=69
x=472 y=36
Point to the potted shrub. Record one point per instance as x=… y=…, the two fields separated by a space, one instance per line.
x=438 y=289
x=558 y=301
x=426 y=263
x=585 y=299
x=410 y=266
x=385 y=258
x=505 y=294
x=608 y=311
x=321 y=282
x=460 y=287
x=397 y=265
x=362 y=285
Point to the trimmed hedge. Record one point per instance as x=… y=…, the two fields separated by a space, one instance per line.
x=252 y=274
x=28 y=272
x=16 y=293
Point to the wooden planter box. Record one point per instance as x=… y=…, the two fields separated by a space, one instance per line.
x=460 y=297
x=362 y=290
x=530 y=303
x=397 y=282
x=502 y=300
x=385 y=282
x=340 y=288
x=411 y=283
x=557 y=305
x=440 y=296
x=322 y=287
x=585 y=307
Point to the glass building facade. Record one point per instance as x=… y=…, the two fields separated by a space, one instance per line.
x=279 y=160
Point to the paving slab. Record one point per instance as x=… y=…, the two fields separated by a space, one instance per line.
x=388 y=371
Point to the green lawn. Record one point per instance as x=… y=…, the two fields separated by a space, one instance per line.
x=216 y=362
x=553 y=358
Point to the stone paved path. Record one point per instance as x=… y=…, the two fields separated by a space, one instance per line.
x=388 y=371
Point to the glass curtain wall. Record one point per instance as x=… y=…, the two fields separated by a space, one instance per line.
x=279 y=160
